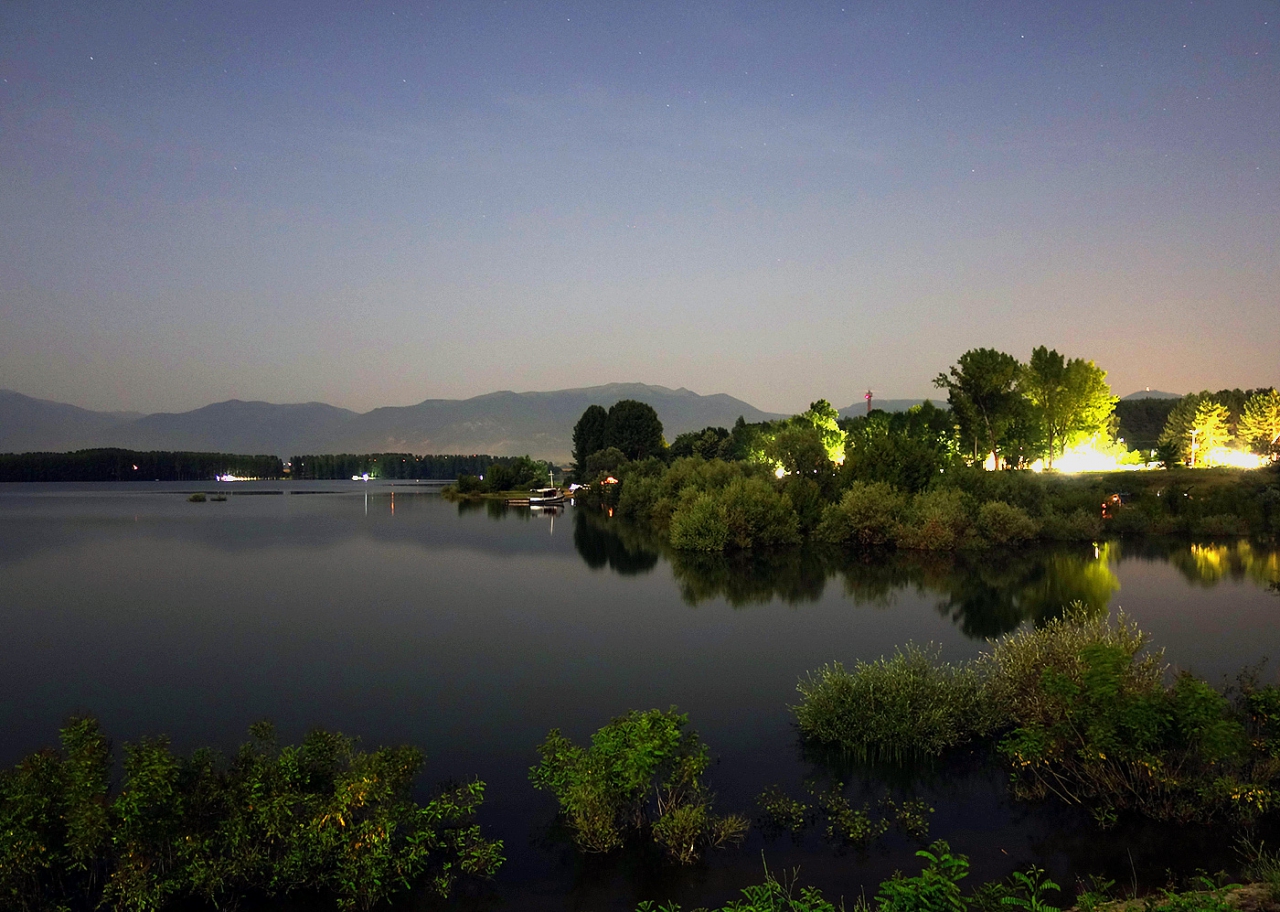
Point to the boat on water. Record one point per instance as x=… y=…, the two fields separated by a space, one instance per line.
x=546 y=497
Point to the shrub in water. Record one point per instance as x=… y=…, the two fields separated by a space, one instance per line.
x=757 y=515
x=938 y=520
x=642 y=772
x=1095 y=725
x=745 y=513
x=867 y=515
x=781 y=811
x=1003 y=524
x=320 y=816
x=1077 y=525
x=698 y=523
x=906 y=705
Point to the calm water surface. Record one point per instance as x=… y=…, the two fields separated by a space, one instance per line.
x=388 y=613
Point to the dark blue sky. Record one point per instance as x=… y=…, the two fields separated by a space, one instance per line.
x=377 y=203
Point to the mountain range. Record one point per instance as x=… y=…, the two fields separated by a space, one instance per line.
x=539 y=424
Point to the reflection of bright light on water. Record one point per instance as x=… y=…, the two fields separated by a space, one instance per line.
x=1236 y=459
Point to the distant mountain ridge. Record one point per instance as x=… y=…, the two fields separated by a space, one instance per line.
x=887 y=405
x=503 y=423
x=1152 y=394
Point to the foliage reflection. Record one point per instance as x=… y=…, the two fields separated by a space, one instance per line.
x=985 y=593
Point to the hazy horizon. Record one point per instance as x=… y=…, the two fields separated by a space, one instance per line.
x=378 y=205
x=936 y=396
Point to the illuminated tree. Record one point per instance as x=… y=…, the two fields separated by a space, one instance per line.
x=825 y=420
x=1181 y=420
x=798 y=449
x=982 y=392
x=1209 y=430
x=1259 y=424
x=1091 y=404
x=1072 y=398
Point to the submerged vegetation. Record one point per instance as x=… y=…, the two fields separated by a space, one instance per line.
x=320 y=816
x=642 y=775
x=1078 y=711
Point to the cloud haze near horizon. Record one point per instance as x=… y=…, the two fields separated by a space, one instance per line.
x=378 y=204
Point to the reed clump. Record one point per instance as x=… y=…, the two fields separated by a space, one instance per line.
x=1079 y=709
x=908 y=705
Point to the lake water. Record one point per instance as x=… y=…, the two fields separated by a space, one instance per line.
x=391 y=614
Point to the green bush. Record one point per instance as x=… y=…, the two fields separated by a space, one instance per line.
x=934 y=889
x=745 y=513
x=1094 y=724
x=867 y=515
x=641 y=774
x=1079 y=525
x=321 y=816
x=698 y=523
x=757 y=515
x=907 y=705
x=938 y=520
x=1004 y=524
x=1086 y=714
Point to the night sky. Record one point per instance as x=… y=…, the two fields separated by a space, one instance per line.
x=378 y=203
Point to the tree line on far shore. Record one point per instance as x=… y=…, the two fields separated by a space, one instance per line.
x=334 y=466
x=133 y=465
x=162 y=465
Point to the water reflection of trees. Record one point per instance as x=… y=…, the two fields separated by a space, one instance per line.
x=1209 y=564
x=985 y=594
x=791 y=575
x=625 y=549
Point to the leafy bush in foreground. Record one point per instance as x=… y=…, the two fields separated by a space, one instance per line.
x=318 y=816
x=642 y=772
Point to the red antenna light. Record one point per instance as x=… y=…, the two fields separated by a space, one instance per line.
x=868 y=398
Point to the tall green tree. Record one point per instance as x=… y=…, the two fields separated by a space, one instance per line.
x=1210 y=429
x=588 y=436
x=1259 y=423
x=983 y=395
x=1197 y=415
x=824 y=418
x=633 y=427
x=1072 y=398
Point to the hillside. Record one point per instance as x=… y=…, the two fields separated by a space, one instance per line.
x=505 y=423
